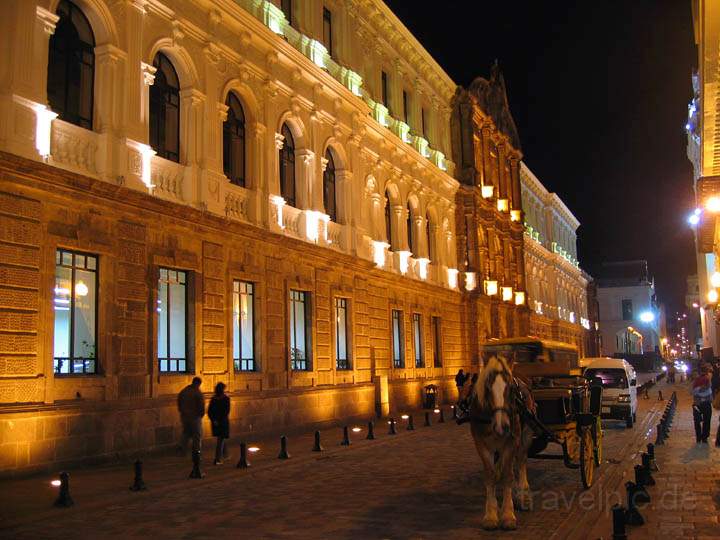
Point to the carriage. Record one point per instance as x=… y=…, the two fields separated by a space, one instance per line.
x=567 y=404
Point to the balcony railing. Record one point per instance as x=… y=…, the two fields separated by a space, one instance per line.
x=73 y=147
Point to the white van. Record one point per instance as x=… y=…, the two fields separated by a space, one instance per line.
x=619 y=382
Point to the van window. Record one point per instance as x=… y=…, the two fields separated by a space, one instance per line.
x=516 y=352
x=611 y=378
x=564 y=357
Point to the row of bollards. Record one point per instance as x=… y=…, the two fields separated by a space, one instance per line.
x=64 y=500
x=637 y=491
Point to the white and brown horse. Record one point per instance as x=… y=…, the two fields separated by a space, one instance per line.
x=501 y=439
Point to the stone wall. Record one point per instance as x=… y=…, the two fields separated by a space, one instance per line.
x=129 y=405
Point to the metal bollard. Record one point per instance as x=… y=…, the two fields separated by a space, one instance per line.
x=651 y=453
x=392 y=431
x=641 y=494
x=283 y=448
x=138 y=483
x=346 y=437
x=442 y=416
x=196 y=472
x=660 y=398
x=243 y=463
x=371 y=431
x=317 y=447
x=427 y=419
x=632 y=515
x=659 y=435
x=618 y=520
x=454 y=412
x=411 y=424
x=64 y=500
x=647 y=470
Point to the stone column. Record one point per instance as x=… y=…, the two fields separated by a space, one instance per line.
x=109 y=93
x=399 y=230
x=306 y=193
x=138 y=75
x=421 y=247
x=502 y=177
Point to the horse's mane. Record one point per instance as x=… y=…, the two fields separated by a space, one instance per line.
x=495 y=364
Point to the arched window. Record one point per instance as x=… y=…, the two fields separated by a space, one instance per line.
x=329 y=187
x=388 y=220
x=165 y=110
x=71 y=67
x=410 y=235
x=287 y=167
x=428 y=235
x=234 y=141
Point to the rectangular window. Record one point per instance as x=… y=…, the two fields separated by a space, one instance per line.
x=342 y=334
x=300 y=331
x=327 y=30
x=627 y=310
x=398 y=339
x=172 y=321
x=437 y=342
x=286 y=7
x=406 y=107
x=75 y=307
x=385 y=93
x=244 y=326
x=419 y=344
x=423 y=122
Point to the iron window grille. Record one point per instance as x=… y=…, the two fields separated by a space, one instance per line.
x=234 y=141
x=287 y=166
x=300 y=329
x=165 y=110
x=172 y=307
x=398 y=339
x=71 y=67
x=418 y=342
x=342 y=334
x=244 y=326
x=75 y=309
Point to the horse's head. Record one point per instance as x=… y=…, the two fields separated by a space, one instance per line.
x=496 y=394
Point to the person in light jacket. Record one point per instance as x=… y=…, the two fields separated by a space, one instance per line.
x=702 y=406
x=219 y=412
x=191 y=405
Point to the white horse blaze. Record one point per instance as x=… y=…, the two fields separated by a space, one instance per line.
x=498 y=394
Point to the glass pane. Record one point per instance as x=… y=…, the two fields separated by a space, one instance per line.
x=246 y=322
x=177 y=321
x=341 y=331
x=67 y=258
x=61 y=306
x=300 y=330
x=162 y=309
x=236 y=323
x=84 y=313
x=91 y=262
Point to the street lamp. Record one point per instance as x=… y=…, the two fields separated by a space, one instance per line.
x=712 y=296
x=647 y=316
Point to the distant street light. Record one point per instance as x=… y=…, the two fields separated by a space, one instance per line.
x=647 y=316
x=712 y=296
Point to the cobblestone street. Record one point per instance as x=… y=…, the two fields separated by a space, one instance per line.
x=421 y=484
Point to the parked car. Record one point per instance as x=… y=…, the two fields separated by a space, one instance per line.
x=619 y=382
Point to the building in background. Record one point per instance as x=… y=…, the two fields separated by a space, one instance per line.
x=557 y=287
x=593 y=336
x=703 y=150
x=630 y=316
x=692 y=310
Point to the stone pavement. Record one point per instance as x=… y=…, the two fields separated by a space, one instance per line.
x=425 y=483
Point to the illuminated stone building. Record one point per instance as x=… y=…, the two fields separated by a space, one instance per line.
x=486 y=149
x=253 y=192
x=557 y=287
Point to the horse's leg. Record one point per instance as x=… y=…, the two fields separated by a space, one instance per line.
x=508 y=520
x=523 y=487
x=490 y=519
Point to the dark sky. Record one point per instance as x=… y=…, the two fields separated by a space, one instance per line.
x=599 y=93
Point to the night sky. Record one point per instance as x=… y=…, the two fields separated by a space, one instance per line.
x=599 y=93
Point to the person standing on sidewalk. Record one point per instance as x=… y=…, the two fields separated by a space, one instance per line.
x=191 y=406
x=460 y=379
x=702 y=406
x=219 y=412
x=715 y=379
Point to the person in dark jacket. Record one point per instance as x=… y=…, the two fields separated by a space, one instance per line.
x=460 y=379
x=191 y=406
x=219 y=411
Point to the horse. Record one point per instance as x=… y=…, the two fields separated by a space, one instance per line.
x=502 y=440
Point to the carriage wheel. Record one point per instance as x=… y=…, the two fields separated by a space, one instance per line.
x=587 y=458
x=597 y=441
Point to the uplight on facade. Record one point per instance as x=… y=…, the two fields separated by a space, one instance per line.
x=491 y=287
x=515 y=215
x=422 y=268
x=279 y=203
x=487 y=191
x=712 y=296
x=519 y=298
x=715 y=279
x=43 y=129
x=470 y=281
x=404 y=260
x=452 y=278
x=502 y=205
x=507 y=294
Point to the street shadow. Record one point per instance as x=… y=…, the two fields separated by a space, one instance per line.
x=698 y=452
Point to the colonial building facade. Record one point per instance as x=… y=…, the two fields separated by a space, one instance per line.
x=557 y=287
x=253 y=192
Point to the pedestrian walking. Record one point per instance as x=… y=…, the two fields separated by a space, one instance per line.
x=218 y=412
x=460 y=379
x=702 y=406
x=191 y=406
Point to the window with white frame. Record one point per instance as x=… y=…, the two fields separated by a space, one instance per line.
x=75 y=309
x=398 y=339
x=172 y=319
x=342 y=334
x=300 y=331
x=244 y=326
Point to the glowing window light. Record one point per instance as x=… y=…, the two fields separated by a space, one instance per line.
x=81 y=289
x=379 y=253
x=507 y=294
x=452 y=277
x=487 y=191
x=279 y=203
x=491 y=287
x=502 y=205
x=519 y=298
x=470 y=281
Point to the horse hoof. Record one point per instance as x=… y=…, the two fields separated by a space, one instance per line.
x=508 y=524
x=489 y=524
